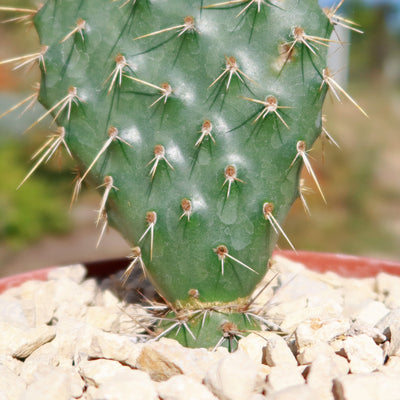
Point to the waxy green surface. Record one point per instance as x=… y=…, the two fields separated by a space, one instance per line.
x=261 y=152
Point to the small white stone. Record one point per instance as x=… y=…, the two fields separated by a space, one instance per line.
x=105 y=318
x=115 y=347
x=181 y=387
x=76 y=273
x=322 y=372
x=277 y=352
x=391 y=366
x=11 y=312
x=124 y=385
x=319 y=330
x=72 y=299
x=6 y=360
x=299 y=297
x=12 y=386
x=282 y=377
x=254 y=345
x=54 y=385
x=388 y=286
x=308 y=354
x=234 y=377
x=25 y=344
x=73 y=338
x=359 y=327
x=371 y=312
x=363 y=354
x=41 y=361
x=390 y=327
x=374 y=386
x=297 y=392
x=96 y=372
x=166 y=358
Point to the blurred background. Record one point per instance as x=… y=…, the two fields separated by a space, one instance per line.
x=361 y=180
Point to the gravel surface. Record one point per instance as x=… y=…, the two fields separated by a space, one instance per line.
x=76 y=338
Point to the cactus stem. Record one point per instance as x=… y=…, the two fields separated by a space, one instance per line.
x=335 y=19
x=109 y=185
x=268 y=208
x=159 y=154
x=222 y=253
x=121 y=63
x=205 y=131
x=302 y=153
x=231 y=68
x=336 y=89
x=28 y=59
x=112 y=137
x=79 y=28
x=230 y=177
x=270 y=106
x=64 y=103
x=187 y=208
x=31 y=99
x=52 y=145
x=187 y=26
x=303 y=189
x=104 y=218
x=151 y=218
x=136 y=257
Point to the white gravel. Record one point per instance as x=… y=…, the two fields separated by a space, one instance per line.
x=75 y=338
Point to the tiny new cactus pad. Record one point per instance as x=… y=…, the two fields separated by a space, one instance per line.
x=193 y=119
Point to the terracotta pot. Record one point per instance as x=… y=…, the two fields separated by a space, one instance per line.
x=344 y=265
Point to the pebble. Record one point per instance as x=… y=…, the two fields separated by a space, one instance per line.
x=54 y=385
x=166 y=358
x=297 y=392
x=181 y=387
x=12 y=387
x=363 y=353
x=322 y=372
x=388 y=286
x=282 y=377
x=308 y=354
x=371 y=312
x=375 y=386
x=234 y=377
x=319 y=330
x=76 y=273
x=114 y=347
x=278 y=353
x=389 y=325
x=254 y=345
x=30 y=340
x=125 y=385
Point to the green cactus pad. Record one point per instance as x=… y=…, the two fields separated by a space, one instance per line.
x=189 y=114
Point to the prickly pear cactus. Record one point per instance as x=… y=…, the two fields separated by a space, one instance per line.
x=194 y=119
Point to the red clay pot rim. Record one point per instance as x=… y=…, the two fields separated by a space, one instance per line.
x=342 y=264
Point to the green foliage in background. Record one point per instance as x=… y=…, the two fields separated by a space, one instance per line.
x=34 y=210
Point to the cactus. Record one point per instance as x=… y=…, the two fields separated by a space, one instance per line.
x=193 y=119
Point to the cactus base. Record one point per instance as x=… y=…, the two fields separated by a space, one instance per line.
x=209 y=328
